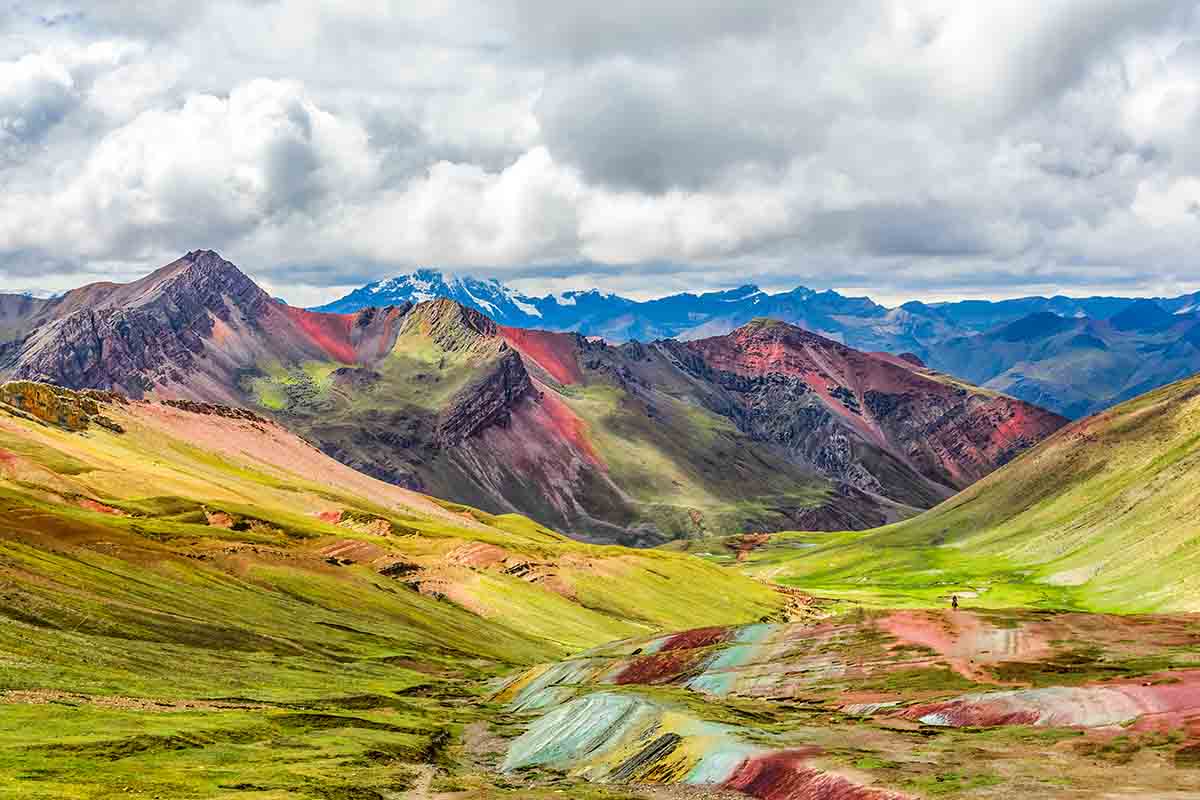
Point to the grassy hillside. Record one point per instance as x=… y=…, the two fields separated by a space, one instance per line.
x=1105 y=515
x=196 y=603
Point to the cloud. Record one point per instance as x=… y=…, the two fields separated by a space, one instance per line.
x=36 y=92
x=584 y=31
x=212 y=170
x=630 y=126
x=903 y=146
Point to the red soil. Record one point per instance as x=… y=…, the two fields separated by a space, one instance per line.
x=973 y=715
x=93 y=505
x=329 y=332
x=787 y=776
x=701 y=637
x=553 y=352
x=968 y=642
x=568 y=426
x=1020 y=425
x=1166 y=706
x=662 y=668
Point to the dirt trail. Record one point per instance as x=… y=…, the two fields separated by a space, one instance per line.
x=422 y=788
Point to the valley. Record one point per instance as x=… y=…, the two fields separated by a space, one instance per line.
x=259 y=552
x=197 y=603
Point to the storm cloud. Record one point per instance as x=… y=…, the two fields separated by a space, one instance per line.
x=906 y=148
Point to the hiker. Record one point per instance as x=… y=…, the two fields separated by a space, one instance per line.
x=954 y=601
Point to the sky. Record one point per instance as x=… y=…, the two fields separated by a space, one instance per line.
x=905 y=149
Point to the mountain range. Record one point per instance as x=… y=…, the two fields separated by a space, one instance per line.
x=1102 y=515
x=1074 y=356
x=196 y=601
x=765 y=428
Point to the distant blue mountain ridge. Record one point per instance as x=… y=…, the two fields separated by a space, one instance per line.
x=1072 y=355
x=690 y=316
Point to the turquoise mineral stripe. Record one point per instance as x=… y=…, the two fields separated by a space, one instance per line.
x=717 y=765
x=586 y=728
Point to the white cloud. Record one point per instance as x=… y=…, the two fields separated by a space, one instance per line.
x=215 y=168
x=910 y=145
x=36 y=92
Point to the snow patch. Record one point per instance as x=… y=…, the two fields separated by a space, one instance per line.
x=491 y=309
x=525 y=307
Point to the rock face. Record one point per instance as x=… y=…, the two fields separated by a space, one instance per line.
x=767 y=428
x=149 y=332
x=74 y=411
x=487 y=401
x=867 y=420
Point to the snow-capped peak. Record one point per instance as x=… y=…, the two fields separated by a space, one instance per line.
x=741 y=293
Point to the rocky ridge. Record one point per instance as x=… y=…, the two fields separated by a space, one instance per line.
x=74 y=411
x=770 y=427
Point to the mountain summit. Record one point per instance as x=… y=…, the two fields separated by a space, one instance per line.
x=1013 y=346
x=490 y=297
x=768 y=427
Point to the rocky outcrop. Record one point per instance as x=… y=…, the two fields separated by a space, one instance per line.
x=74 y=411
x=878 y=424
x=487 y=401
x=215 y=410
x=141 y=336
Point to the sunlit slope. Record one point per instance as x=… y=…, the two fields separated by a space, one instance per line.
x=191 y=524
x=196 y=603
x=1104 y=515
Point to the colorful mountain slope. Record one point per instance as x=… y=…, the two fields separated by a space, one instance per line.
x=879 y=426
x=195 y=602
x=880 y=705
x=1103 y=516
x=456 y=410
x=636 y=445
x=970 y=339
x=185 y=330
x=917 y=422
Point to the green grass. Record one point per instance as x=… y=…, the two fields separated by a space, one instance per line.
x=86 y=752
x=49 y=457
x=687 y=470
x=1102 y=516
x=357 y=673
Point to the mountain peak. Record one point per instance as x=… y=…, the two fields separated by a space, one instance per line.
x=203 y=262
x=1143 y=315
x=451 y=324
x=489 y=297
x=199 y=256
x=766 y=326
